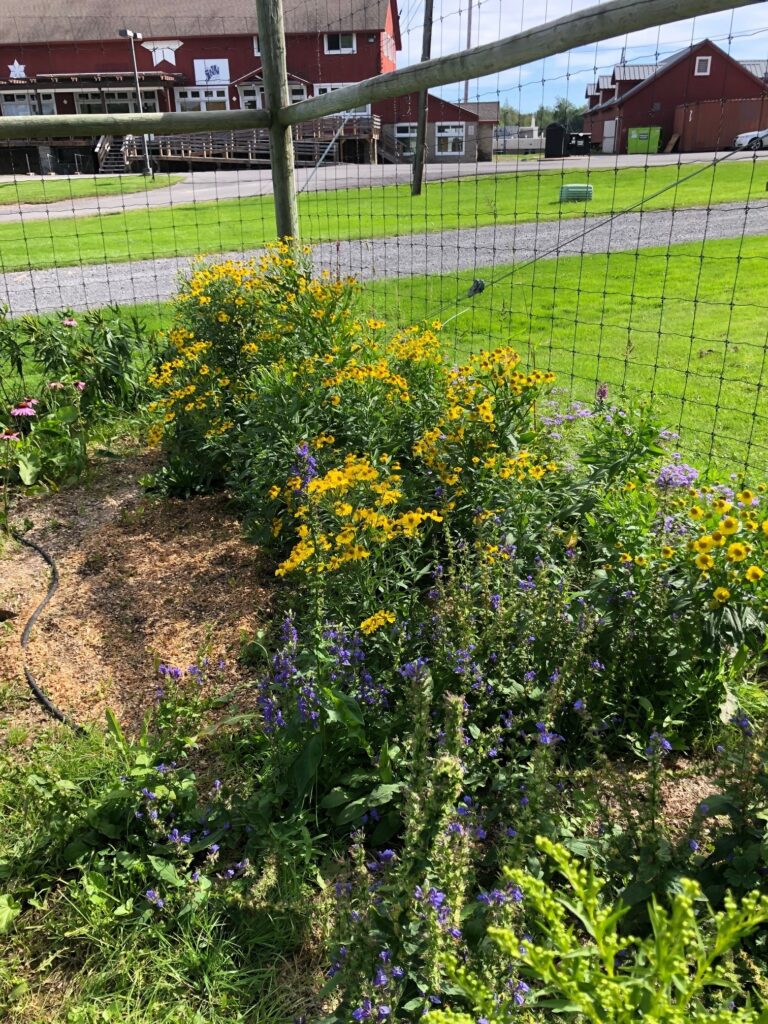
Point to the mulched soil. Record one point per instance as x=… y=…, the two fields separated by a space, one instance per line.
x=142 y=580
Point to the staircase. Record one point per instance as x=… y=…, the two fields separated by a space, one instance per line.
x=111 y=155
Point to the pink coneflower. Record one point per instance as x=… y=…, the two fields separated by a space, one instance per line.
x=5 y=436
x=25 y=409
x=80 y=385
x=69 y=322
x=55 y=385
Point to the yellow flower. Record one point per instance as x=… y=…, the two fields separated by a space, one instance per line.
x=722 y=506
x=754 y=574
x=625 y=557
x=729 y=525
x=703 y=544
x=274 y=491
x=764 y=527
x=667 y=551
x=722 y=594
x=737 y=552
x=696 y=512
x=376 y=621
x=641 y=560
x=745 y=497
x=704 y=562
x=630 y=486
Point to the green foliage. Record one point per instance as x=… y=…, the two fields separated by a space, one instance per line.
x=583 y=964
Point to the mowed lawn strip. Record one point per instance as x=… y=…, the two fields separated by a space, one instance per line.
x=53 y=190
x=371 y=212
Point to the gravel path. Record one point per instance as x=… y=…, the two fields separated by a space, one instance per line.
x=399 y=256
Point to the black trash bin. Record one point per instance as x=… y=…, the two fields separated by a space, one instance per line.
x=555 y=140
x=579 y=143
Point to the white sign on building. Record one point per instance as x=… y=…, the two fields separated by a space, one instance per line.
x=212 y=72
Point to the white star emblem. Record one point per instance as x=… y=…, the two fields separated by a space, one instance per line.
x=17 y=70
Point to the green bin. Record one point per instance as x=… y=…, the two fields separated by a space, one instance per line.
x=643 y=140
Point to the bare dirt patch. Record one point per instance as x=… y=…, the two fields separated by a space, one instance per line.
x=142 y=580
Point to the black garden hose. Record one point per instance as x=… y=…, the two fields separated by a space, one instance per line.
x=39 y=694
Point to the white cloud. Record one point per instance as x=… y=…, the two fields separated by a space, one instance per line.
x=742 y=32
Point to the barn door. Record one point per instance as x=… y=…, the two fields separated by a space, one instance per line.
x=609 y=136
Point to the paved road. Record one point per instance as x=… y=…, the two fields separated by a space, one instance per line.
x=398 y=256
x=205 y=186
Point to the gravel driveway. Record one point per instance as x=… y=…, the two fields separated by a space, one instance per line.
x=398 y=256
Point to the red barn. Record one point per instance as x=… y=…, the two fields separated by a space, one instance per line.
x=665 y=96
x=65 y=58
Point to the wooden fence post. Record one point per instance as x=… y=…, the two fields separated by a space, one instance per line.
x=269 y=15
x=420 y=148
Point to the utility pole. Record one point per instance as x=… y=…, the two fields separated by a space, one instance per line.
x=420 y=150
x=127 y=33
x=469 y=47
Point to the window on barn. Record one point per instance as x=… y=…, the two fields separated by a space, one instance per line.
x=703 y=66
x=252 y=97
x=256 y=47
x=449 y=138
x=18 y=104
x=405 y=135
x=340 y=42
x=324 y=87
x=202 y=99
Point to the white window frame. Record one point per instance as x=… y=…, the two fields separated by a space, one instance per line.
x=341 y=49
x=321 y=88
x=123 y=96
x=256 y=47
x=408 y=135
x=705 y=71
x=254 y=91
x=42 y=103
x=455 y=125
x=190 y=92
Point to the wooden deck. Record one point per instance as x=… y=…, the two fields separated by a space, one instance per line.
x=342 y=139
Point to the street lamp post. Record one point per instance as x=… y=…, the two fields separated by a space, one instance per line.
x=128 y=33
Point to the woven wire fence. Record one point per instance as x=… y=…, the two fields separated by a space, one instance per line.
x=653 y=288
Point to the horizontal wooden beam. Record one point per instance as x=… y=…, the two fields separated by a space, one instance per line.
x=59 y=126
x=603 y=21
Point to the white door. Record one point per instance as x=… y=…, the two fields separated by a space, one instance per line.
x=609 y=136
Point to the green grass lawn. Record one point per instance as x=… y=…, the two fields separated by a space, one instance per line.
x=51 y=190
x=212 y=227
x=686 y=326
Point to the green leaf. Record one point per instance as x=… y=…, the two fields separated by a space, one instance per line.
x=166 y=872
x=9 y=911
x=305 y=766
x=66 y=414
x=29 y=467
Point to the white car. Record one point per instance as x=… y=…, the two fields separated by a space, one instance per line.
x=752 y=140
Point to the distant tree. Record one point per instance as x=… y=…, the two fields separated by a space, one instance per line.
x=544 y=116
x=568 y=115
x=508 y=115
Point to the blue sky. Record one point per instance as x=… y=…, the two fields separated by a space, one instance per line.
x=743 y=33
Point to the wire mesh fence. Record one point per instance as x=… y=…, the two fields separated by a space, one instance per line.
x=651 y=283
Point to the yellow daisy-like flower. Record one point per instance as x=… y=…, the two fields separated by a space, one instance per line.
x=729 y=525
x=696 y=512
x=718 y=538
x=737 y=552
x=722 y=506
x=722 y=594
x=630 y=486
x=667 y=551
x=376 y=621
x=641 y=560
x=625 y=557
x=704 y=562
x=746 y=497
x=764 y=527
x=754 y=574
x=703 y=544
x=274 y=491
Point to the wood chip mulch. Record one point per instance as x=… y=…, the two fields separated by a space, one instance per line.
x=141 y=580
